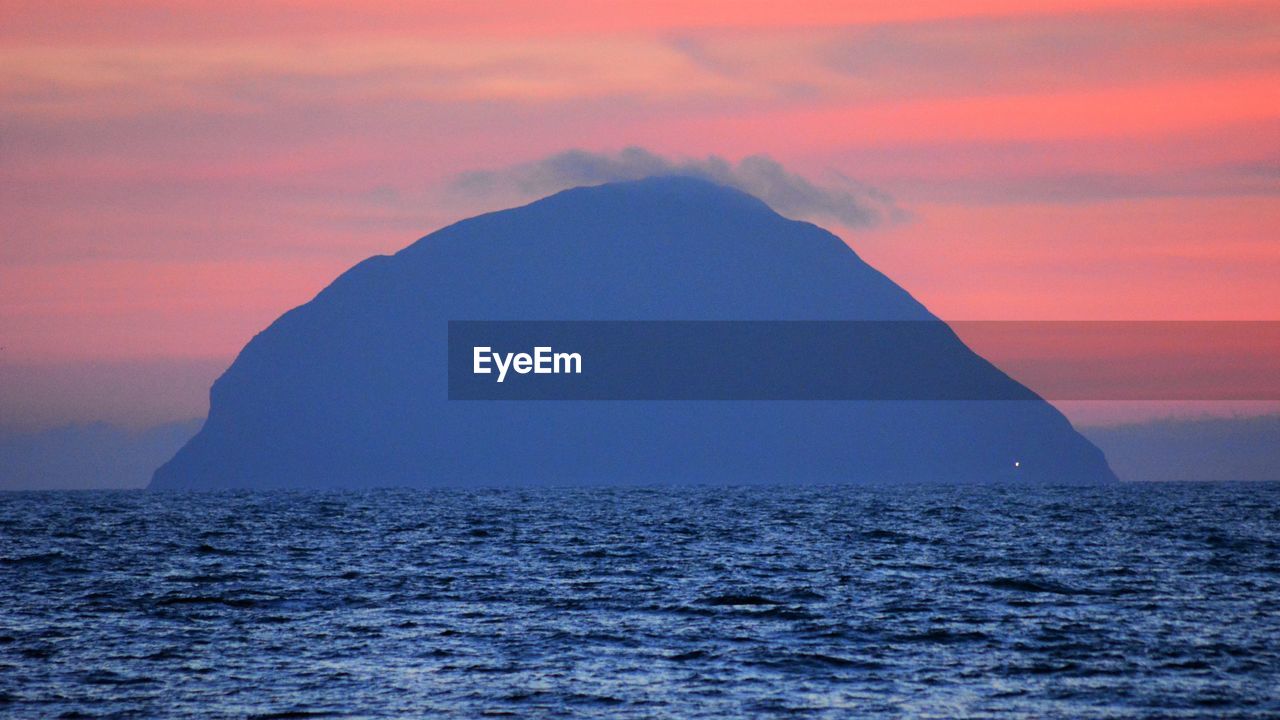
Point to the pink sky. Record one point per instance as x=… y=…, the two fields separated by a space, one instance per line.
x=174 y=179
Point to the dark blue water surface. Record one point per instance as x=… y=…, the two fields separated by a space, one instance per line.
x=1128 y=601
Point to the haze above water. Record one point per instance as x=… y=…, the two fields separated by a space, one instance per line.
x=1121 y=601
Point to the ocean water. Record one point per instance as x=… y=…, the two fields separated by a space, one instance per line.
x=1128 y=601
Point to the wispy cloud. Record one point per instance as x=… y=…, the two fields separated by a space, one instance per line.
x=842 y=199
x=990 y=55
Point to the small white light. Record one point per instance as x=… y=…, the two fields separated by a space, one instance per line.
x=1017 y=464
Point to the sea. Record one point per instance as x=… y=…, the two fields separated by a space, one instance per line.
x=1124 y=601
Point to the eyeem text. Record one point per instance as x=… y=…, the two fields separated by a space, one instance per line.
x=543 y=361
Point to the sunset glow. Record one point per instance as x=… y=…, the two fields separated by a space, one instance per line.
x=174 y=181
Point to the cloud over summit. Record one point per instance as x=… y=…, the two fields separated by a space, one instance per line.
x=843 y=200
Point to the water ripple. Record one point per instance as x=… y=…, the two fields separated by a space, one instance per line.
x=1129 y=601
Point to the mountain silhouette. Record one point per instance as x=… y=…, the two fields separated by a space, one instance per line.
x=350 y=389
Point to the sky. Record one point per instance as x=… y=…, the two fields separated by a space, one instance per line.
x=174 y=176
